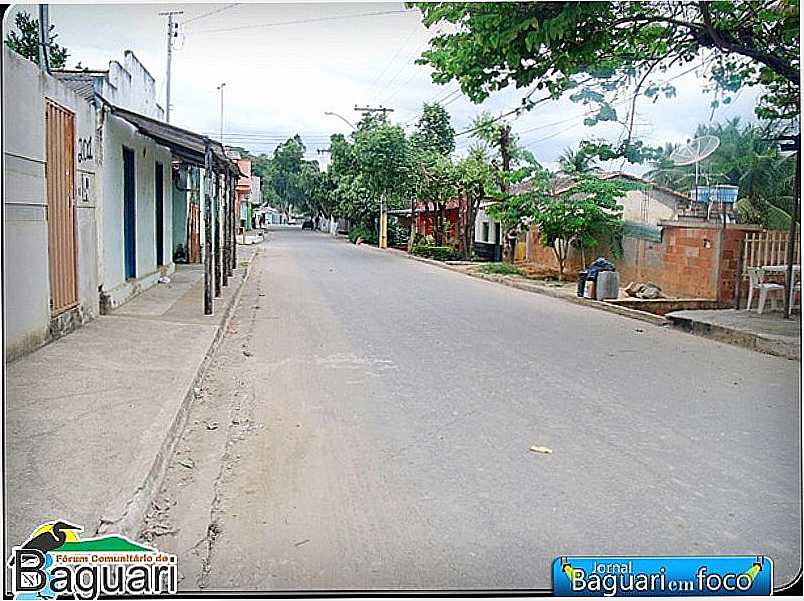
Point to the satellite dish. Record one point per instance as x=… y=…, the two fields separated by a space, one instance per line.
x=695 y=151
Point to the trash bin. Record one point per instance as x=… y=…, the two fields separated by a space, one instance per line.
x=608 y=285
x=581 y=281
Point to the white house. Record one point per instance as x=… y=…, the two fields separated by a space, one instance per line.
x=50 y=207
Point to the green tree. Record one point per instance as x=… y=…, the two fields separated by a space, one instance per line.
x=434 y=132
x=747 y=157
x=26 y=41
x=579 y=216
x=437 y=184
x=431 y=144
x=489 y=46
x=284 y=173
x=475 y=183
x=510 y=162
x=383 y=160
x=576 y=161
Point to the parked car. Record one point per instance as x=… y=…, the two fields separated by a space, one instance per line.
x=308 y=225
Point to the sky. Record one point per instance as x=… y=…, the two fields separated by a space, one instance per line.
x=286 y=64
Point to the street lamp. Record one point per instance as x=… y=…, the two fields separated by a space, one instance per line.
x=220 y=87
x=344 y=119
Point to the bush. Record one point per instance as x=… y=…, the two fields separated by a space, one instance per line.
x=439 y=253
x=501 y=269
x=362 y=231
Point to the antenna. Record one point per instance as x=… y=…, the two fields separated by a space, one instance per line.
x=693 y=152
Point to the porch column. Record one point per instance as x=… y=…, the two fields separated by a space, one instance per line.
x=226 y=232
x=235 y=221
x=208 y=175
x=218 y=199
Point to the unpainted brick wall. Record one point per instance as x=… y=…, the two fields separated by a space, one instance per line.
x=684 y=264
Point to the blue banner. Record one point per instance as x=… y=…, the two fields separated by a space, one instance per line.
x=671 y=576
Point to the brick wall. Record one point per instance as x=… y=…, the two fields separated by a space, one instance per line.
x=691 y=261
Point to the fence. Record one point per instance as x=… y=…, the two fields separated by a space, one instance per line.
x=767 y=248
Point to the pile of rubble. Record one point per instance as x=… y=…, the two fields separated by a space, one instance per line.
x=644 y=290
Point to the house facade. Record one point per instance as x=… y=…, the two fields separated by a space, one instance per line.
x=50 y=207
x=90 y=212
x=136 y=234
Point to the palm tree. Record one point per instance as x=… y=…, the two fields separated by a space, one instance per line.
x=576 y=161
x=746 y=158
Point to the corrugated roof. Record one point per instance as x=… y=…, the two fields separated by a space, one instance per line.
x=80 y=82
x=184 y=143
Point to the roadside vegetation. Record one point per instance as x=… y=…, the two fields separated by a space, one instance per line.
x=733 y=46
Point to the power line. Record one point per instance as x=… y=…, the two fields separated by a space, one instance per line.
x=312 y=20
x=210 y=13
x=620 y=102
x=394 y=57
x=410 y=61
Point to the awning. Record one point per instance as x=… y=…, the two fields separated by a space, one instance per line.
x=185 y=144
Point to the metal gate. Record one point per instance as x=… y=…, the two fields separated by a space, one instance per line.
x=60 y=176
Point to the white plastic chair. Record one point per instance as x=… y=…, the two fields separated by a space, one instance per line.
x=795 y=288
x=756 y=278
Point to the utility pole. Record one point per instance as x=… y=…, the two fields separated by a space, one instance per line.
x=368 y=109
x=505 y=155
x=44 y=38
x=793 y=143
x=220 y=87
x=172 y=32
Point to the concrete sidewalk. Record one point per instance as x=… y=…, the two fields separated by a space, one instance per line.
x=767 y=333
x=91 y=418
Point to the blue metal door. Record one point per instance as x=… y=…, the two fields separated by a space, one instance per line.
x=129 y=214
x=160 y=211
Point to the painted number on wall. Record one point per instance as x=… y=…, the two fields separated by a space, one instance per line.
x=84 y=187
x=84 y=149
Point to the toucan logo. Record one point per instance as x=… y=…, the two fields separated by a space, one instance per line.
x=55 y=563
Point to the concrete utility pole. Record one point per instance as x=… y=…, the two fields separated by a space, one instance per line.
x=172 y=32
x=44 y=38
x=505 y=154
x=220 y=87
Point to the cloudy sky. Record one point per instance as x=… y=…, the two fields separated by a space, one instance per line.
x=286 y=64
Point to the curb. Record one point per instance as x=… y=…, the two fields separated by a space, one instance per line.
x=778 y=347
x=131 y=520
x=644 y=316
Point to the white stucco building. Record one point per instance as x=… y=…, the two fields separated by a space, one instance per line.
x=49 y=209
x=136 y=230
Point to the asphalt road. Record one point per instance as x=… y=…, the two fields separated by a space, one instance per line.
x=381 y=412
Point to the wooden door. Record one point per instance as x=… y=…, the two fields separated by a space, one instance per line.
x=61 y=230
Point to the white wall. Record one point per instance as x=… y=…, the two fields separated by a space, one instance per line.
x=256 y=190
x=26 y=270
x=481 y=218
x=118 y=133
x=648 y=206
x=129 y=85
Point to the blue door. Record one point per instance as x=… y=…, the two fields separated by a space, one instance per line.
x=129 y=214
x=160 y=211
